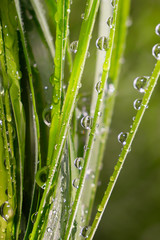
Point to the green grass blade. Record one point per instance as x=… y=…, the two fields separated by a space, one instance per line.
x=106 y=67
x=70 y=99
x=44 y=26
x=37 y=129
x=119 y=43
x=56 y=79
x=113 y=179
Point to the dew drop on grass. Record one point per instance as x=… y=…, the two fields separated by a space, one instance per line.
x=75 y=183
x=79 y=162
x=157 y=29
x=140 y=83
x=86 y=122
x=110 y=22
x=6 y=211
x=42 y=176
x=46 y=115
x=98 y=87
x=156 y=51
x=33 y=217
x=85 y=231
x=102 y=43
x=122 y=137
x=111 y=179
x=137 y=104
x=82 y=15
x=1 y=90
x=49 y=230
x=74 y=46
x=113 y=3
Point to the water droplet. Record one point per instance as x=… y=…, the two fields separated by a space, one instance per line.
x=98 y=87
x=49 y=230
x=157 y=29
x=75 y=183
x=140 y=83
x=137 y=104
x=113 y=3
x=110 y=22
x=100 y=208
x=1 y=90
x=33 y=217
x=79 y=162
x=82 y=15
x=6 y=211
x=99 y=114
x=122 y=137
x=156 y=51
x=41 y=176
x=86 y=122
x=111 y=88
x=74 y=46
x=85 y=231
x=9 y=118
x=46 y=115
x=102 y=43
x=111 y=179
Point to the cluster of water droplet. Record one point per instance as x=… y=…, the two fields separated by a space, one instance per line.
x=156 y=48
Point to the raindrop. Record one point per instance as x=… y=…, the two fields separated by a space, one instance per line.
x=98 y=87
x=42 y=176
x=156 y=51
x=99 y=114
x=75 y=183
x=111 y=179
x=86 y=122
x=1 y=122
x=49 y=230
x=82 y=15
x=85 y=231
x=6 y=211
x=33 y=217
x=110 y=22
x=79 y=162
x=74 y=46
x=102 y=43
x=157 y=29
x=111 y=88
x=46 y=115
x=122 y=137
x=1 y=90
x=137 y=104
x=140 y=83
x=113 y=3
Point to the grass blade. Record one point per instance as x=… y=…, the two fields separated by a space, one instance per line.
x=113 y=179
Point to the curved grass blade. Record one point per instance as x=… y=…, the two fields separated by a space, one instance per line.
x=69 y=103
x=56 y=79
x=44 y=26
x=106 y=67
x=37 y=130
x=119 y=43
x=13 y=75
x=113 y=179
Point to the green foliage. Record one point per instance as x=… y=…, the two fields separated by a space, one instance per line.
x=51 y=145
